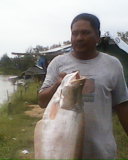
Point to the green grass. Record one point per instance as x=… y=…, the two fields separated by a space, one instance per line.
x=121 y=138
x=17 y=129
x=16 y=134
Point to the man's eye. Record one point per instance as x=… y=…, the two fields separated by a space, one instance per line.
x=75 y=33
x=86 y=32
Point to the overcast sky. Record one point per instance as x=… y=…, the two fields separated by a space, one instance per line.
x=27 y=23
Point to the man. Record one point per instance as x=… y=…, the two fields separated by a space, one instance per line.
x=104 y=89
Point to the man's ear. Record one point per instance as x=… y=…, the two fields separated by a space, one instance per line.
x=97 y=40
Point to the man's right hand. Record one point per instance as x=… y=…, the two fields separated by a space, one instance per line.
x=46 y=95
x=60 y=77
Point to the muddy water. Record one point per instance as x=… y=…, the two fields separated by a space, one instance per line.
x=6 y=88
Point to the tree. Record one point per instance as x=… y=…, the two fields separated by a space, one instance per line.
x=66 y=42
x=37 y=49
x=6 y=64
x=5 y=60
x=30 y=50
x=41 y=48
x=55 y=46
x=124 y=36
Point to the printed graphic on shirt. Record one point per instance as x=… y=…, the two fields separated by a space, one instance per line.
x=89 y=90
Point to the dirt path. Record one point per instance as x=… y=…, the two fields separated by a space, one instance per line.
x=35 y=111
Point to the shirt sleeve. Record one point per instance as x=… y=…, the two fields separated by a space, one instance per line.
x=120 y=91
x=52 y=74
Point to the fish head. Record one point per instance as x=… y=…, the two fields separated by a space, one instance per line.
x=71 y=91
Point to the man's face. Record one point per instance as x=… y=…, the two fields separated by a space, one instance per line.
x=83 y=37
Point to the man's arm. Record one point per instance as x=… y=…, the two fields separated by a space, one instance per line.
x=47 y=93
x=122 y=112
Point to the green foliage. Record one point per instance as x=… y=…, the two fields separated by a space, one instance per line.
x=5 y=60
x=16 y=134
x=6 y=64
x=17 y=129
x=25 y=62
x=121 y=139
x=10 y=66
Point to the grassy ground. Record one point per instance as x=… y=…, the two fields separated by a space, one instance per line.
x=17 y=129
x=121 y=139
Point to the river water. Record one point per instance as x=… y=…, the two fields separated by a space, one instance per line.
x=6 y=88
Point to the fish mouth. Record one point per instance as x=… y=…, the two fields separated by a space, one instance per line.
x=71 y=95
x=78 y=79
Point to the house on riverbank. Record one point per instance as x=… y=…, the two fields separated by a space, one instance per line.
x=35 y=72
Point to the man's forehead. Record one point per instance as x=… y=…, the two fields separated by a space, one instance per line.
x=82 y=25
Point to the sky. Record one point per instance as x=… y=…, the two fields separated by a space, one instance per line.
x=27 y=23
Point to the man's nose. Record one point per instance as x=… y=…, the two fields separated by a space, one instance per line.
x=80 y=36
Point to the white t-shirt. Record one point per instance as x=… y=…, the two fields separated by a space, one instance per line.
x=105 y=87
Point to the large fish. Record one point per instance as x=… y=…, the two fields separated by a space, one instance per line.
x=60 y=133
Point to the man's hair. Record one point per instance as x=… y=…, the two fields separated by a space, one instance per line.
x=94 y=21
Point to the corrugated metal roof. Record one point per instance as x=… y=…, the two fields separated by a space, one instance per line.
x=117 y=40
x=34 y=71
x=56 y=49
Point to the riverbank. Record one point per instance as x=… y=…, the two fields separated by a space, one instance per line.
x=16 y=127
x=17 y=122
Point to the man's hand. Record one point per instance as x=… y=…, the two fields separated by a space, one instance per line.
x=46 y=95
x=60 y=77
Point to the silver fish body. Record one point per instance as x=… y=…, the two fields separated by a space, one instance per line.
x=60 y=133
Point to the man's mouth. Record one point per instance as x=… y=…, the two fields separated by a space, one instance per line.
x=80 y=45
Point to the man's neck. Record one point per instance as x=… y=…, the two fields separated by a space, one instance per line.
x=85 y=56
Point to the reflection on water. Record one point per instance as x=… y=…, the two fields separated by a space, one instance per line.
x=6 y=88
